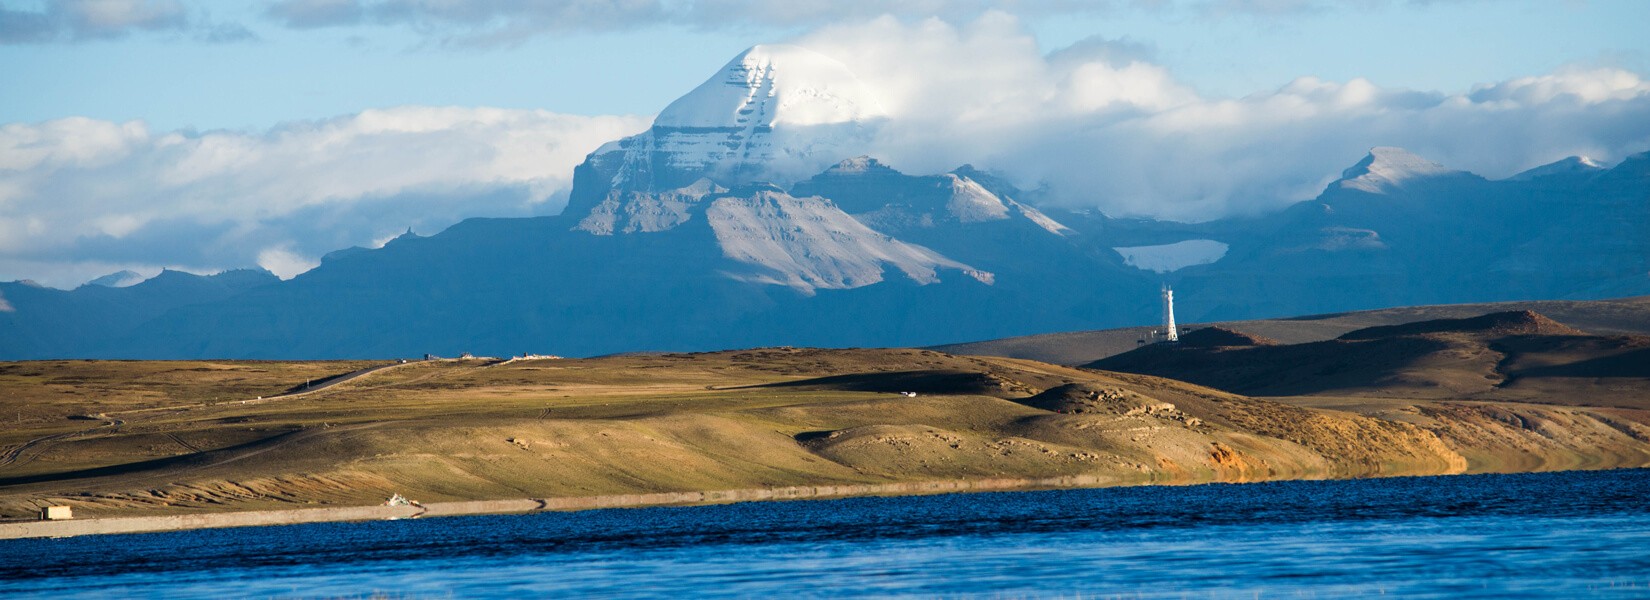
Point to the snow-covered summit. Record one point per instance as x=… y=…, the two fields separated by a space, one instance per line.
x=774 y=85
x=1386 y=168
x=118 y=280
x=774 y=113
x=972 y=203
x=1568 y=166
x=859 y=165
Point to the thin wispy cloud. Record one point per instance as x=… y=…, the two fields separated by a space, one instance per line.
x=491 y=22
x=586 y=15
x=495 y=23
x=480 y=22
x=505 y=22
x=58 y=21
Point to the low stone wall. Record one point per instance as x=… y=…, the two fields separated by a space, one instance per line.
x=109 y=525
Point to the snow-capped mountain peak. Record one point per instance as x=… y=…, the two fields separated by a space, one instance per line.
x=859 y=165
x=974 y=201
x=775 y=85
x=1567 y=166
x=1387 y=168
x=774 y=113
x=118 y=280
x=971 y=203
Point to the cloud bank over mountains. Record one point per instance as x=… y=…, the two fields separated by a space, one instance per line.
x=82 y=197
x=1104 y=127
x=1098 y=123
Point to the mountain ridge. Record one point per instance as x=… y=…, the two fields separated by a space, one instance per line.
x=746 y=217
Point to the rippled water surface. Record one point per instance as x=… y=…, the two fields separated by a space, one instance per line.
x=1542 y=535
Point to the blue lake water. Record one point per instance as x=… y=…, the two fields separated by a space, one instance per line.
x=1493 y=536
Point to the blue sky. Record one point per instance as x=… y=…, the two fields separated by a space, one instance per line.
x=205 y=135
x=172 y=79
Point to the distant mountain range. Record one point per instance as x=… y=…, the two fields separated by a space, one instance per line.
x=746 y=216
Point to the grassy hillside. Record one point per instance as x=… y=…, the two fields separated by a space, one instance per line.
x=135 y=438
x=1508 y=356
x=1605 y=317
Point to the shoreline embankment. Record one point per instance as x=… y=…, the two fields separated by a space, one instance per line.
x=260 y=518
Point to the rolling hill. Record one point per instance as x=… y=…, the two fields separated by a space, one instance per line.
x=1513 y=355
x=136 y=438
x=1626 y=316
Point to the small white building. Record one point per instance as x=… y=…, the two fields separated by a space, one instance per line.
x=56 y=513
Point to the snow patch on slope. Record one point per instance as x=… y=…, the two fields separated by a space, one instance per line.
x=1167 y=258
x=971 y=203
x=1568 y=166
x=1042 y=220
x=808 y=244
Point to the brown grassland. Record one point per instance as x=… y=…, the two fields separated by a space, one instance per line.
x=137 y=438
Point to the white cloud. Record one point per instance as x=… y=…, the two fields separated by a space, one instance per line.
x=1584 y=86
x=285 y=263
x=1106 y=128
x=71 y=142
x=89 y=192
x=102 y=17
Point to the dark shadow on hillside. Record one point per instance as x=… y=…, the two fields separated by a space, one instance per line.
x=1635 y=363
x=199 y=459
x=922 y=382
x=809 y=436
x=1288 y=370
x=1500 y=323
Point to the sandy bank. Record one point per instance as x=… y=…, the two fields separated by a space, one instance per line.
x=100 y=526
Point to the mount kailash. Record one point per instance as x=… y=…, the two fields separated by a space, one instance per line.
x=748 y=215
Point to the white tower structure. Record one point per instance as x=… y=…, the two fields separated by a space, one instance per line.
x=1169 y=333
